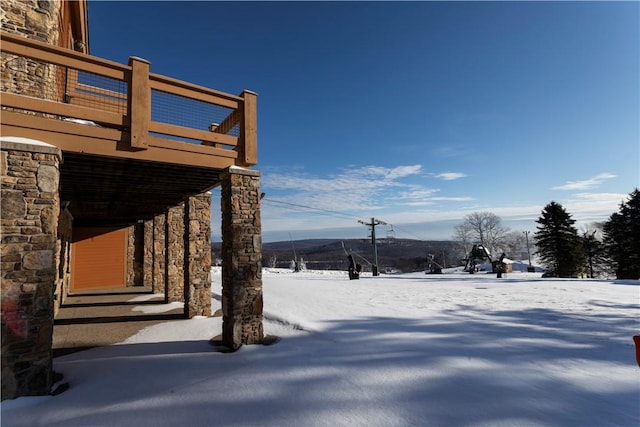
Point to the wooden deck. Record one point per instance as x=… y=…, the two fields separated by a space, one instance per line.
x=133 y=142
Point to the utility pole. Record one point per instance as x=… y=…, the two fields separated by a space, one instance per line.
x=372 y=226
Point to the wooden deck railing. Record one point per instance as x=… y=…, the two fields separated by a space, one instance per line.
x=149 y=109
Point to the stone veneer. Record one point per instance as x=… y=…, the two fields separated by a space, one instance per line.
x=35 y=19
x=29 y=221
x=241 y=258
x=38 y=20
x=175 y=260
x=147 y=254
x=176 y=254
x=138 y=276
x=158 y=255
x=197 y=256
x=63 y=258
x=135 y=255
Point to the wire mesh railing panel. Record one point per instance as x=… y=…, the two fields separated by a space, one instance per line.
x=187 y=112
x=96 y=91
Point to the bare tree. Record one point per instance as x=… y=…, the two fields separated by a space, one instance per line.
x=515 y=245
x=463 y=237
x=273 y=260
x=486 y=229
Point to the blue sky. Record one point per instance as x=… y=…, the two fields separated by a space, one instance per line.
x=414 y=113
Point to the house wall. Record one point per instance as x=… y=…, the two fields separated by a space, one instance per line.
x=35 y=19
x=99 y=258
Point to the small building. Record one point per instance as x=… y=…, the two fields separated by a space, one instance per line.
x=504 y=265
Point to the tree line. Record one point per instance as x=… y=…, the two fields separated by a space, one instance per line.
x=602 y=249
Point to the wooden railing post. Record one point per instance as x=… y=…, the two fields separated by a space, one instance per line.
x=248 y=147
x=139 y=102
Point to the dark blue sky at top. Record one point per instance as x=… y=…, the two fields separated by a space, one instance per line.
x=380 y=70
x=448 y=85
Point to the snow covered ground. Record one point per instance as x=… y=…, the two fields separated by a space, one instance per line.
x=394 y=350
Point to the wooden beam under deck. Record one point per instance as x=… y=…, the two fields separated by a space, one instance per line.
x=79 y=138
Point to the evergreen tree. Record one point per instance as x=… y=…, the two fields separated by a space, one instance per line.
x=622 y=238
x=595 y=253
x=558 y=242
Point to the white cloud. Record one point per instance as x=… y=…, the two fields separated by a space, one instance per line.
x=594 y=206
x=352 y=190
x=397 y=196
x=403 y=171
x=585 y=184
x=453 y=199
x=450 y=176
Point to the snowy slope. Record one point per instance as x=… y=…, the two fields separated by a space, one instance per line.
x=401 y=350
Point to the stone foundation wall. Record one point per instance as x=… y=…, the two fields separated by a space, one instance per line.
x=241 y=258
x=29 y=221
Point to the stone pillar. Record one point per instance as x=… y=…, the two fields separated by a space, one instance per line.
x=138 y=254
x=175 y=254
x=147 y=263
x=131 y=256
x=63 y=258
x=241 y=258
x=197 y=256
x=29 y=220
x=159 y=245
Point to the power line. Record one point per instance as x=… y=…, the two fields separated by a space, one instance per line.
x=408 y=233
x=328 y=212
x=310 y=208
x=319 y=211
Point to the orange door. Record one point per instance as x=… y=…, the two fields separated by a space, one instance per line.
x=99 y=256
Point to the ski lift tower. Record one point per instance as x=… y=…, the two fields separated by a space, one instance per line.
x=391 y=233
x=372 y=226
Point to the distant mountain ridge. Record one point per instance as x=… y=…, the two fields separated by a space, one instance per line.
x=397 y=255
